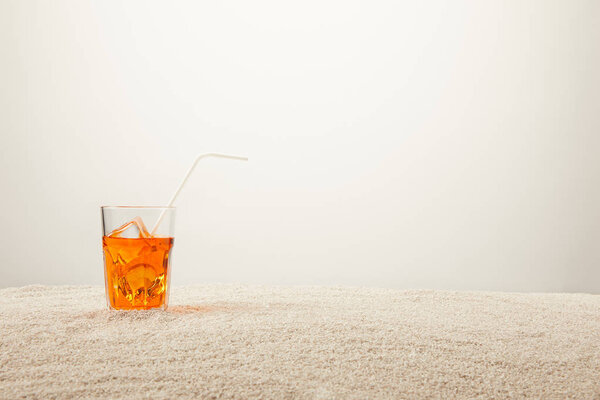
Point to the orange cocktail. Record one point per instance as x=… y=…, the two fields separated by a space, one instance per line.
x=137 y=271
x=136 y=262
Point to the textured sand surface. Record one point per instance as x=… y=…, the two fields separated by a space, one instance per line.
x=227 y=341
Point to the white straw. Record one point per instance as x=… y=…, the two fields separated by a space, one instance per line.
x=187 y=175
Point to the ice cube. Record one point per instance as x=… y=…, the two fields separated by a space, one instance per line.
x=138 y=223
x=141 y=283
x=125 y=288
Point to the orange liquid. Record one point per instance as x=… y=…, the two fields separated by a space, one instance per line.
x=137 y=272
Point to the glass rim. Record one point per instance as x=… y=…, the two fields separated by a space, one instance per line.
x=146 y=207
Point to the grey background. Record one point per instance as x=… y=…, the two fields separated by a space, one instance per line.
x=401 y=144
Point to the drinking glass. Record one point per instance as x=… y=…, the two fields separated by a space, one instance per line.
x=137 y=256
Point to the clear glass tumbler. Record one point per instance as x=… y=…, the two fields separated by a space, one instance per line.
x=137 y=244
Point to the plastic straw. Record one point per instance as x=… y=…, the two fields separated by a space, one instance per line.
x=187 y=175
